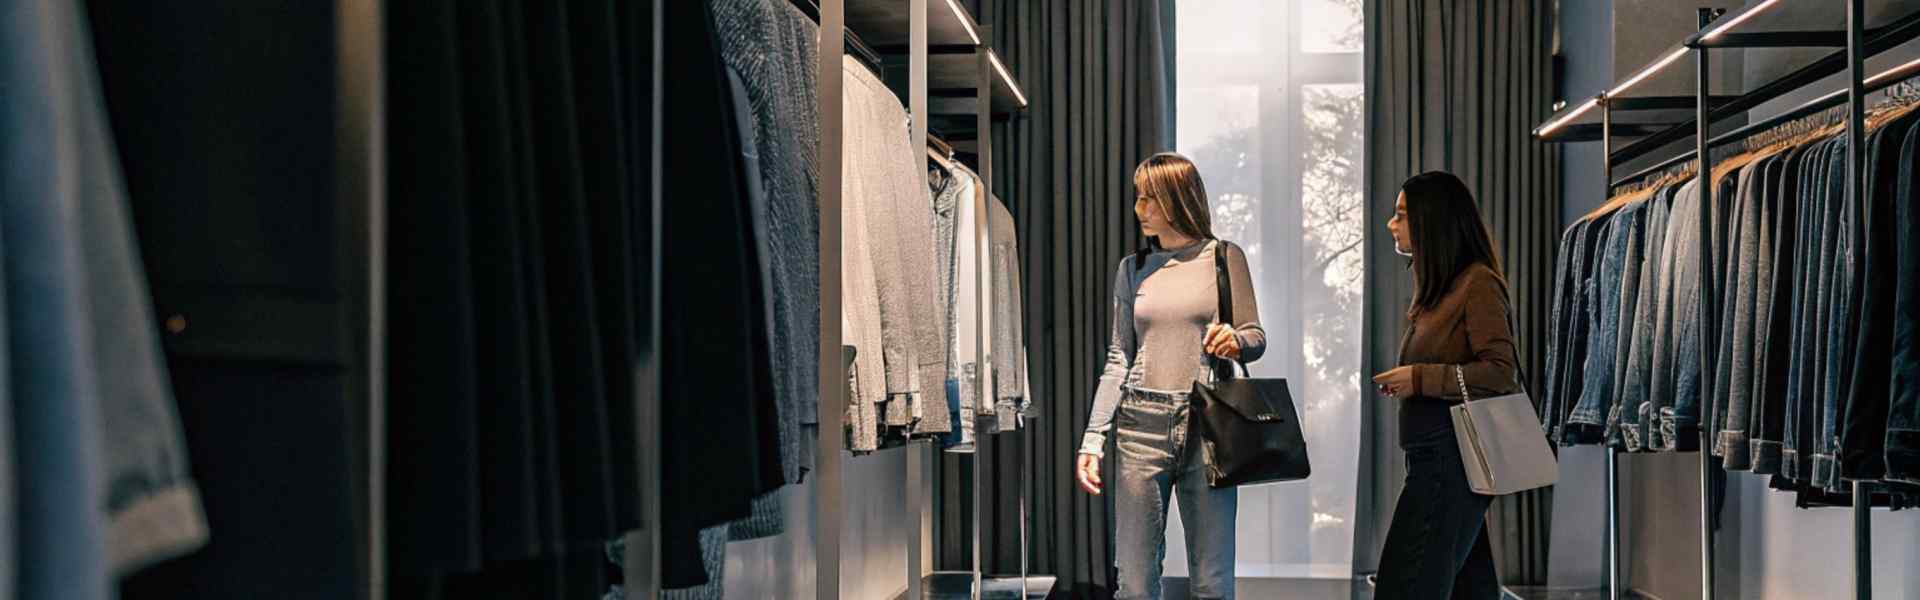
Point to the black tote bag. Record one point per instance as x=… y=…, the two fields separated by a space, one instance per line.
x=1250 y=431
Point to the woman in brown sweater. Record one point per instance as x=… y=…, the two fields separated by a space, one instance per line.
x=1457 y=334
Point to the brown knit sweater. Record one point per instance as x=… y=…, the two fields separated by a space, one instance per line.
x=1470 y=329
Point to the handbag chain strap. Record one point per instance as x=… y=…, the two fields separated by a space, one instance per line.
x=1460 y=376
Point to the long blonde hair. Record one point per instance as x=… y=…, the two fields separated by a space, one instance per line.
x=1175 y=187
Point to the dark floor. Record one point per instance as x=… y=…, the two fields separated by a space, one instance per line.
x=958 y=586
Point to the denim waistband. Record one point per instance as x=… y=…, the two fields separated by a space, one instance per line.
x=1138 y=394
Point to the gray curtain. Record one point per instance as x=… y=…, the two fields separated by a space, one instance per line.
x=1457 y=86
x=1099 y=78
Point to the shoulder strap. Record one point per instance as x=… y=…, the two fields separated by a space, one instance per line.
x=1223 y=288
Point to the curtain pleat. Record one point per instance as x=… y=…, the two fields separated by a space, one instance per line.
x=1457 y=86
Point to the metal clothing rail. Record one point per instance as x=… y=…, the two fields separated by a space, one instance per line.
x=854 y=45
x=1879 y=40
x=1879 y=81
x=1858 y=45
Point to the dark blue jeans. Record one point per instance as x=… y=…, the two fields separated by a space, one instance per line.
x=1774 y=344
x=1593 y=415
x=1903 y=420
x=1560 y=329
x=1438 y=539
x=1676 y=394
x=1864 y=417
x=1636 y=386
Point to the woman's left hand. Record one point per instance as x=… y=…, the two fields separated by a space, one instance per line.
x=1221 y=342
x=1397 y=383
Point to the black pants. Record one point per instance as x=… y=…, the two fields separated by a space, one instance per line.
x=1438 y=539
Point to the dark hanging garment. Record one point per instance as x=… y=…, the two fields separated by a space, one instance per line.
x=774 y=48
x=433 y=415
x=604 y=162
x=520 y=515
x=1864 y=410
x=578 y=383
x=713 y=418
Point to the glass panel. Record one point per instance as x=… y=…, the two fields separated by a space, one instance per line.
x=1335 y=26
x=1282 y=161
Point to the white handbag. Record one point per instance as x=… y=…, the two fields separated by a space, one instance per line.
x=1502 y=443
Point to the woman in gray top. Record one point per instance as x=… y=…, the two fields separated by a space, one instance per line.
x=1164 y=312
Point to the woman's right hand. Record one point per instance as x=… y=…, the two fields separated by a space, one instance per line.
x=1088 y=474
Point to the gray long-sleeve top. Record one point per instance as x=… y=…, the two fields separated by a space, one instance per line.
x=1161 y=312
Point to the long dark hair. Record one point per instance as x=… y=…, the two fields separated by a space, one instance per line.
x=1448 y=235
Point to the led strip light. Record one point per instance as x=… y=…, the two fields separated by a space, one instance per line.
x=1648 y=72
x=1002 y=69
x=1569 y=117
x=965 y=20
x=1736 y=21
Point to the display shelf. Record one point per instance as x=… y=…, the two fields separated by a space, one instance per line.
x=954 y=40
x=887 y=24
x=952 y=81
x=1897 y=30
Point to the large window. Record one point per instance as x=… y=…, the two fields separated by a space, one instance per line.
x=1269 y=106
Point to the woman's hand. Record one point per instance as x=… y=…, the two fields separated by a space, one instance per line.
x=1221 y=342
x=1088 y=474
x=1397 y=383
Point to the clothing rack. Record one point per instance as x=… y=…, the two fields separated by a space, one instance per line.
x=1857 y=44
x=861 y=51
x=918 y=28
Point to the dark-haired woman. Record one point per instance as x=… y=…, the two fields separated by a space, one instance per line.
x=1457 y=335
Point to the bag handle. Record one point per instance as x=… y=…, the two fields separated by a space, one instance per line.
x=1223 y=286
x=1466 y=396
x=1519 y=370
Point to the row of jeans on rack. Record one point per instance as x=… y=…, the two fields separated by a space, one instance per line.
x=1802 y=338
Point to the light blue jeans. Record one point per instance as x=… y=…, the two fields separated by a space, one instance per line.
x=1158 y=456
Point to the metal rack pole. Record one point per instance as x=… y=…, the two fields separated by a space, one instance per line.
x=916 y=452
x=828 y=506
x=1613 y=457
x=983 y=123
x=1702 y=94
x=360 y=162
x=643 y=576
x=1856 y=191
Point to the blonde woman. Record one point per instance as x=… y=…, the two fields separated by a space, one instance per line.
x=1165 y=311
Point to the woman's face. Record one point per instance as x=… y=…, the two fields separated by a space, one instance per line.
x=1402 y=235
x=1152 y=222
